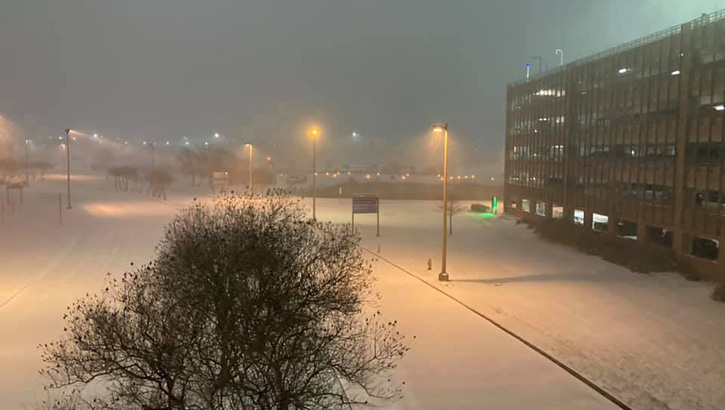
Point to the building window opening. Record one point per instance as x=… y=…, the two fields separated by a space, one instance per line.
x=526 y=205
x=705 y=248
x=578 y=217
x=708 y=199
x=541 y=208
x=627 y=229
x=557 y=212
x=660 y=237
x=600 y=222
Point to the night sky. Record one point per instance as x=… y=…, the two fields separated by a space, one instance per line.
x=265 y=70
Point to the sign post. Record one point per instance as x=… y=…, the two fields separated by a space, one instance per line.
x=366 y=204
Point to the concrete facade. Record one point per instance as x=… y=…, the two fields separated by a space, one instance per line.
x=632 y=140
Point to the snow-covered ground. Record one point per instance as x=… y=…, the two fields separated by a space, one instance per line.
x=654 y=341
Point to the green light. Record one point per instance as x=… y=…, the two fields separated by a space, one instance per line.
x=486 y=215
x=494 y=204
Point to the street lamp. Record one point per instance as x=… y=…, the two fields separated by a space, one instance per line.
x=251 y=158
x=443 y=128
x=67 y=162
x=561 y=56
x=27 y=178
x=314 y=134
x=153 y=155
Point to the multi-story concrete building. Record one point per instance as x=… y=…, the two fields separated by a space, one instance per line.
x=629 y=141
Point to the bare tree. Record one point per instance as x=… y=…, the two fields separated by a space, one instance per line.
x=9 y=168
x=122 y=176
x=158 y=181
x=42 y=167
x=454 y=208
x=189 y=164
x=248 y=305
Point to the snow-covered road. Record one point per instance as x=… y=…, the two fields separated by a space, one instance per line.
x=655 y=341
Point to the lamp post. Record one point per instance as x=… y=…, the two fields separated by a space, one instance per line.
x=314 y=134
x=153 y=156
x=443 y=128
x=251 y=159
x=27 y=163
x=561 y=56
x=67 y=162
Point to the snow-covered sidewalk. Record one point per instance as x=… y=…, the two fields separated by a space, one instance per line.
x=459 y=361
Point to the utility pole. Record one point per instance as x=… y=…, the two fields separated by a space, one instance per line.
x=27 y=163
x=314 y=133
x=251 y=165
x=153 y=155
x=443 y=275
x=67 y=162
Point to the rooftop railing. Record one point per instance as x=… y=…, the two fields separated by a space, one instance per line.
x=651 y=38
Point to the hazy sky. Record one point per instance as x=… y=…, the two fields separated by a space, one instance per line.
x=265 y=69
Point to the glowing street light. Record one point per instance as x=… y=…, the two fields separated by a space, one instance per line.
x=314 y=134
x=216 y=135
x=251 y=159
x=443 y=128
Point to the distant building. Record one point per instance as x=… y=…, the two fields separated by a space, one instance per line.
x=629 y=141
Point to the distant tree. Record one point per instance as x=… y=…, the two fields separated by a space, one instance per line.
x=9 y=168
x=189 y=164
x=454 y=208
x=42 y=167
x=122 y=176
x=158 y=181
x=215 y=160
x=248 y=305
x=116 y=174
x=199 y=164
